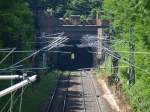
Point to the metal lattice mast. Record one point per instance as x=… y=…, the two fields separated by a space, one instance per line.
x=12 y=96
x=131 y=58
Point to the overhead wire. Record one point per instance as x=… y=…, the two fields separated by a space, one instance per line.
x=50 y=46
x=7 y=55
x=4 y=107
x=6 y=49
x=21 y=99
x=125 y=61
x=92 y=43
x=17 y=98
x=138 y=52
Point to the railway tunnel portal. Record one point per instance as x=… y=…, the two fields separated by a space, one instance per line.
x=80 y=51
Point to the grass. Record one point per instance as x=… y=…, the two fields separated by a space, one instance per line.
x=104 y=69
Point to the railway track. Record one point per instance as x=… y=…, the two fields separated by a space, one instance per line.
x=75 y=93
x=83 y=94
x=91 y=99
x=57 y=102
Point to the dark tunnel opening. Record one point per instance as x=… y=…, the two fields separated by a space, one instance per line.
x=76 y=57
x=82 y=59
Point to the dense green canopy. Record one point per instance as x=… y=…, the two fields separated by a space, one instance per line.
x=126 y=14
x=86 y=8
x=15 y=22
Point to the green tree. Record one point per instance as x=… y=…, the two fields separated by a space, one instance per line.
x=16 y=24
x=124 y=14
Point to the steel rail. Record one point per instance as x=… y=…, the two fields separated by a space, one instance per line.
x=67 y=86
x=53 y=94
x=83 y=95
x=93 y=84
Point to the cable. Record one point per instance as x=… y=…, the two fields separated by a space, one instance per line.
x=138 y=52
x=7 y=55
x=34 y=53
x=7 y=103
x=6 y=49
x=21 y=99
x=26 y=51
x=11 y=102
x=126 y=61
x=50 y=45
x=26 y=69
x=17 y=98
x=56 y=44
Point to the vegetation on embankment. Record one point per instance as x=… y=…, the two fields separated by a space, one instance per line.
x=35 y=97
x=125 y=14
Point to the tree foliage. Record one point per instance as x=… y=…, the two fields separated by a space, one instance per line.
x=66 y=8
x=16 y=23
x=125 y=14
